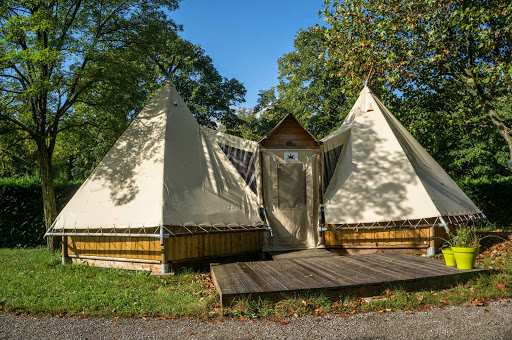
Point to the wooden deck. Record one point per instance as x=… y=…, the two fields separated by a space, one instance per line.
x=334 y=276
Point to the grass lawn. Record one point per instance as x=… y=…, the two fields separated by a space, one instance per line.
x=32 y=281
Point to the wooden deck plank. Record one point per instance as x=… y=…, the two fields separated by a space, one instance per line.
x=410 y=270
x=256 y=277
x=427 y=267
x=359 y=275
x=377 y=271
x=395 y=264
x=269 y=277
x=303 y=254
x=278 y=271
x=301 y=274
x=329 y=271
x=221 y=281
x=234 y=281
x=247 y=282
x=353 y=273
x=318 y=274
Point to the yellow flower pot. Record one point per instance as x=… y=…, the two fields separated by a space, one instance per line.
x=465 y=257
x=449 y=259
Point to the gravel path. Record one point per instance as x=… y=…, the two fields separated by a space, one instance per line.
x=491 y=322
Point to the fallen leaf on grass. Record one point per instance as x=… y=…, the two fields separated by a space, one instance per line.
x=501 y=285
x=443 y=300
x=319 y=310
x=420 y=298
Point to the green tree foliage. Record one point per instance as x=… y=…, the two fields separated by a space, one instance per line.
x=75 y=68
x=454 y=128
x=411 y=45
x=54 y=52
x=309 y=87
x=209 y=96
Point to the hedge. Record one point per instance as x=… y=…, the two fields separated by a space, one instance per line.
x=22 y=219
x=493 y=197
x=21 y=212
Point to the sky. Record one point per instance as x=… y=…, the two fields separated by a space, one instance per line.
x=245 y=38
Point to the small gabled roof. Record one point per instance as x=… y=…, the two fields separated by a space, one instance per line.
x=288 y=117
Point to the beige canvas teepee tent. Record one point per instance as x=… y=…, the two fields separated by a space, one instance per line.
x=377 y=174
x=165 y=177
x=172 y=192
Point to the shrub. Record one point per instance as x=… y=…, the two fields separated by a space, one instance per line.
x=21 y=211
x=492 y=196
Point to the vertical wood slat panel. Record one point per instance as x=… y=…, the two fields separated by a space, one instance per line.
x=110 y=246
x=368 y=237
x=178 y=248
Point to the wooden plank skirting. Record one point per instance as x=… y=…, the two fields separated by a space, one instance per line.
x=186 y=251
x=155 y=268
x=334 y=276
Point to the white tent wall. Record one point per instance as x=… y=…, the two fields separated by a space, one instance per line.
x=201 y=186
x=124 y=190
x=165 y=177
x=448 y=198
x=387 y=192
x=163 y=171
x=374 y=180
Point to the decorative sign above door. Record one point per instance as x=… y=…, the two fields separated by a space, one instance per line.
x=291 y=156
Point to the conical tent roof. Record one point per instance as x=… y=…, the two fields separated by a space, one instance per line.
x=163 y=171
x=382 y=173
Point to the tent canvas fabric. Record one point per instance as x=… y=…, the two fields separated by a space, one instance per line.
x=383 y=174
x=165 y=170
x=291 y=199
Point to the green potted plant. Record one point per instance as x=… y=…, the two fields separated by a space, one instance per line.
x=465 y=245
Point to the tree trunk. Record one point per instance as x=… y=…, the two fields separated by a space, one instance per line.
x=49 y=203
x=470 y=80
x=504 y=130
